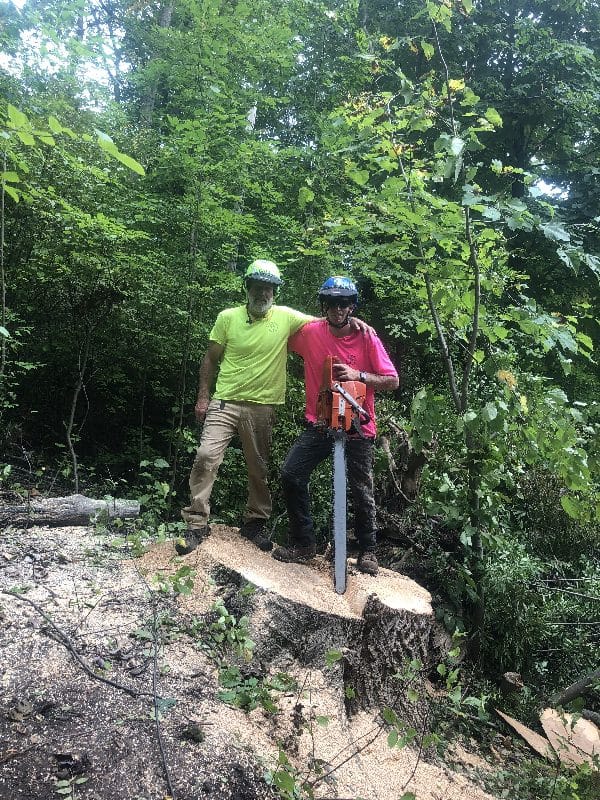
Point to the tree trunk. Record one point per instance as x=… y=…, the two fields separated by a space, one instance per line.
x=149 y=99
x=369 y=634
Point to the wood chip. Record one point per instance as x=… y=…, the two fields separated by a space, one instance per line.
x=535 y=740
x=576 y=741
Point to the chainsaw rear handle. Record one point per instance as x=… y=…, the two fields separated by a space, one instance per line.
x=337 y=387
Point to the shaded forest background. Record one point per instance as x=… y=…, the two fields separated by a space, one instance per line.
x=444 y=154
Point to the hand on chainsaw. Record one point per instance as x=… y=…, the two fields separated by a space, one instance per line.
x=342 y=372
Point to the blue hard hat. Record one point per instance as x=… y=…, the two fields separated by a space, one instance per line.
x=338 y=286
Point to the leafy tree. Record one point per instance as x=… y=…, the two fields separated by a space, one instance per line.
x=413 y=218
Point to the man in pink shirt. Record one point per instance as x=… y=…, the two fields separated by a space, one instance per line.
x=360 y=358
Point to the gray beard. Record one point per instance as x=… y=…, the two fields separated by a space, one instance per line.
x=259 y=309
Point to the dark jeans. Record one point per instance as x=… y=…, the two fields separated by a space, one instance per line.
x=311 y=448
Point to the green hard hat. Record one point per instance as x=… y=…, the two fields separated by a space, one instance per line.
x=262 y=270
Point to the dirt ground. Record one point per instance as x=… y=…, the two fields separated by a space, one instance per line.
x=87 y=612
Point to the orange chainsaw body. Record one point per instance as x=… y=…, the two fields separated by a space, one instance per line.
x=333 y=410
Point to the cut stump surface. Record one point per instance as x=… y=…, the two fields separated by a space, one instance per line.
x=379 y=625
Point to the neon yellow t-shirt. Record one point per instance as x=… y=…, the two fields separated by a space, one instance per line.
x=253 y=364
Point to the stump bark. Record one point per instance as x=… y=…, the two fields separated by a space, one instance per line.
x=378 y=626
x=64 y=511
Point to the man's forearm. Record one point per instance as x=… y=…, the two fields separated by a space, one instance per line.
x=205 y=378
x=380 y=383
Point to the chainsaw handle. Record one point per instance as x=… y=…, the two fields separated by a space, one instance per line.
x=366 y=417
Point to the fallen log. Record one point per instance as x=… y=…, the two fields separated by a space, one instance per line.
x=65 y=511
x=580 y=687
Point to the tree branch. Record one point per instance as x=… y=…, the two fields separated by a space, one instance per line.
x=575 y=689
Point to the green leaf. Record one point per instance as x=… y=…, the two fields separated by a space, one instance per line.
x=108 y=145
x=11 y=192
x=392 y=738
x=555 y=232
x=491 y=213
x=323 y=721
x=457 y=145
x=359 y=176
x=45 y=138
x=26 y=138
x=9 y=176
x=409 y=796
x=4 y=332
x=54 y=125
x=130 y=162
x=305 y=196
x=103 y=137
x=572 y=506
x=143 y=633
x=494 y=117
x=285 y=782
x=332 y=656
x=17 y=118
x=163 y=705
x=412 y=695
x=489 y=412
x=428 y=49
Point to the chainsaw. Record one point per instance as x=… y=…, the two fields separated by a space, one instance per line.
x=340 y=411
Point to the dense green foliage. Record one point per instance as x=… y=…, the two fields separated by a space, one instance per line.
x=444 y=154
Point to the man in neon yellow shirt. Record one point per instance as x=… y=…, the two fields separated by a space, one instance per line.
x=250 y=342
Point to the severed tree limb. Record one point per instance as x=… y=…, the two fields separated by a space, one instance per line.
x=443 y=344
x=65 y=641
x=575 y=689
x=385 y=446
x=592 y=716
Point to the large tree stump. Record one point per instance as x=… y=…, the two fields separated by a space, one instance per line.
x=64 y=511
x=378 y=626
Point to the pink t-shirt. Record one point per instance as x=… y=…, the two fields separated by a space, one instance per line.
x=360 y=351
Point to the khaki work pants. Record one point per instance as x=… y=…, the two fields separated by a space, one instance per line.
x=253 y=422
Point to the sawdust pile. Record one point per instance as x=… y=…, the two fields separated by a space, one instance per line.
x=58 y=723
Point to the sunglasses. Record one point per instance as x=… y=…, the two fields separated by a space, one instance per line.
x=338 y=302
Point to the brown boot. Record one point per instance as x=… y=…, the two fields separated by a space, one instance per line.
x=190 y=541
x=295 y=553
x=254 y=530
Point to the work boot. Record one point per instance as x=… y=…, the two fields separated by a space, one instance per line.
x=254 y=530
x=191 y=539
x=367 y=562
x=295 y=553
